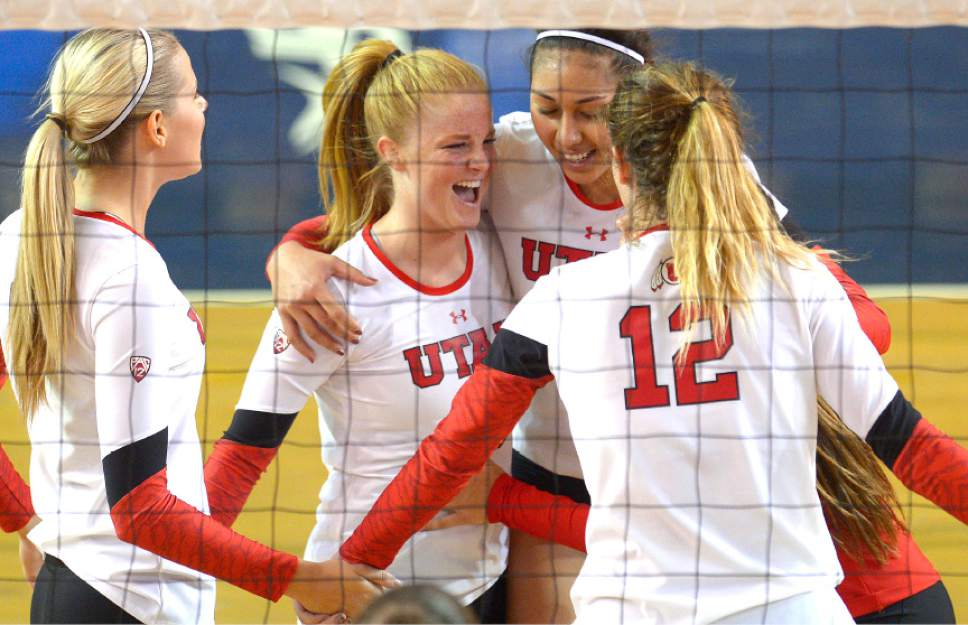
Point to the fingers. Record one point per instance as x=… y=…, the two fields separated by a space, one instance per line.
x=312 y=618
x=345 y=271
x=380 y=577
x=336 y=320
x=291 y=328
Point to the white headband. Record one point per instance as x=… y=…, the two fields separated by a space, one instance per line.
x=574 y=34
x=149 y=64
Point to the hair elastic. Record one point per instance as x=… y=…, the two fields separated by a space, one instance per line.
x=695 y=103
x=393 y=56
x=574 y=34
x=58 y=119
x=149 y=65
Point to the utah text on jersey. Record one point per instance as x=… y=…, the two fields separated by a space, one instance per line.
x=478 y=340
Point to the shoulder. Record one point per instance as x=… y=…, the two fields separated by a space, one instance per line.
x=515 y=135
x=109 y=255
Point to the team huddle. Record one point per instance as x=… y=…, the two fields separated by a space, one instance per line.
x=578 y=365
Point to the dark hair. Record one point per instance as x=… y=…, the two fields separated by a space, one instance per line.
x=421 y=603
x=638 y=40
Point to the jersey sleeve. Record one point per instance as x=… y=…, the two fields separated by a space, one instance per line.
x=133 y=363
x=280 y=379
x=849 y=373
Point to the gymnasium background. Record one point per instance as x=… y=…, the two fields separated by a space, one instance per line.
x=862 y=132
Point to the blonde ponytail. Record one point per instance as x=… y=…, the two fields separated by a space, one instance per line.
x=678 y=128
x=90 y=85
x=375 y=91
x=42 y=294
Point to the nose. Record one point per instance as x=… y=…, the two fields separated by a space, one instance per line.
x=569 y=134
x=480 y=160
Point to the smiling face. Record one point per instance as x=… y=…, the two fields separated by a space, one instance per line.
x=443 y=165
x=570 y=90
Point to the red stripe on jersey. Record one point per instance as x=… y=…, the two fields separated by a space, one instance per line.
x=870 y=587
x=152 y=518
x=231 y=472
x=16 y=508
x=935 y=467
x=551 y=517
x=610 y=206
x=417 y=286
x=111 y=219
x=482 y=415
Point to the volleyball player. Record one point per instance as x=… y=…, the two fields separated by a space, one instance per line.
x=692 y=399
x=555 y=202
x=106 y=356
x=406 y=152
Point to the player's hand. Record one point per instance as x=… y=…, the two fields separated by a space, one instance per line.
x=335 y=587
x=306 y=305
x=311 y=618
x=469 y=507
x=31 y=558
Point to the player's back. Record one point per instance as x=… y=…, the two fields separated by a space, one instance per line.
x=701 y=475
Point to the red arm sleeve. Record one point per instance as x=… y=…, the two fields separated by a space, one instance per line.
x=16 y=508
x=151 y=517
x=231 y=472
x=307 y=232
x=523 y=507
x=483 y=414
x=936 y=467
x=873 y=320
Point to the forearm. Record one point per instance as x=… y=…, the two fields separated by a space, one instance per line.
x=523 y=507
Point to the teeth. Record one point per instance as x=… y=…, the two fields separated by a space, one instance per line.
x=470 y=184
x=577 y=157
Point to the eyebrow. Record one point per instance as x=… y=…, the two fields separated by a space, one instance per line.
x=585 y=100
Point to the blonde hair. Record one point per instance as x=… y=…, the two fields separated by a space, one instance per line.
x=678 y=128
x=93 y=78
x=375 y=91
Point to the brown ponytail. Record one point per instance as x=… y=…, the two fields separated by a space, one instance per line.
x=370 y=94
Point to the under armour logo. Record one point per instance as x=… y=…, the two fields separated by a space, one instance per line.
x=589 y=233
x=462 y=315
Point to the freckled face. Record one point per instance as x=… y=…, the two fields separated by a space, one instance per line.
x=570 y=91
x=448 y=160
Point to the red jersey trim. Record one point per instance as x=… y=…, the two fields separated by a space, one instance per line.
x=655 y=228
x=417 y=286
x=584 y=199
x=111 y=219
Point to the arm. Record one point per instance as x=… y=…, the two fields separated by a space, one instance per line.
x=873 y=320
x=523 y=507
x=16 y=507
x=482 y=416
x=298 y=273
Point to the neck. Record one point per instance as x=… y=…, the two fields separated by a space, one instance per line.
x=124 y=191
x=430 y=256
x=602 y=190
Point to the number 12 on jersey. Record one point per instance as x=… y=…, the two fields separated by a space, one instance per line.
x=636 y=326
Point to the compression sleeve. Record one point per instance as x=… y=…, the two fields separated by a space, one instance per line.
x=551 y=517
x=16 y=508
x=936 y=467
x=482 y=415
x=240 y=458
x=306 y=233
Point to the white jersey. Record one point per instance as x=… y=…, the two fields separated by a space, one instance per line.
x=386 y=394
x=133 y=368
x=544 y=221
x=703 y=481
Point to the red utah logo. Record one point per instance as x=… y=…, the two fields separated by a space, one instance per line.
x=280 y=342
x=665 y=273
x=139 y=366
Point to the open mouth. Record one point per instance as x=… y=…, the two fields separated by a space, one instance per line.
x=578 y=159
x=468 y=191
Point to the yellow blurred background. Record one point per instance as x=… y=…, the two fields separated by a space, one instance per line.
x=928 y=356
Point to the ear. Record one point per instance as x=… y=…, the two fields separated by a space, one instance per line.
x=621 y=168
x=155 y=129
x=389 y=151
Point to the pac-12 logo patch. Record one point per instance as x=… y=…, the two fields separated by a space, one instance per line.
x=139 y=365
x=665 y=273
x=280 y=342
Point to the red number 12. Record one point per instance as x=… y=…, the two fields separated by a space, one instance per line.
x=636 y=326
